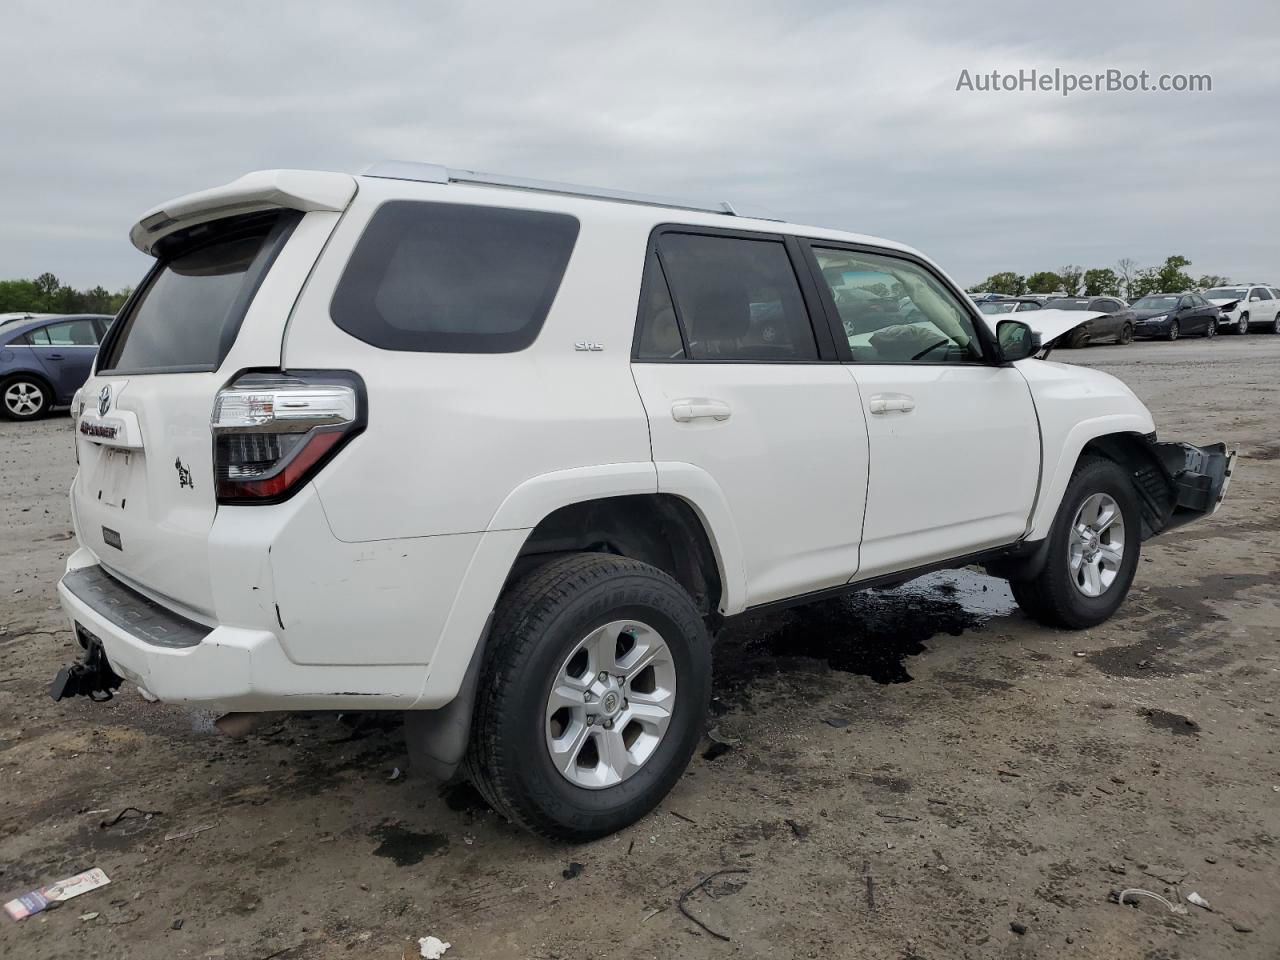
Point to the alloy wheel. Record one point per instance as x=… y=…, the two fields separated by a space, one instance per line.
x=23 y=398
x=610 y=704
x=1242 y=326
x=1096 y=546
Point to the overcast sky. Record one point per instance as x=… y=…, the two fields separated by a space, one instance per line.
x=827 y=113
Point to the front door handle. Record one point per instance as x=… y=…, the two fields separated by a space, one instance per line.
x=882 y=403
x=699 y=408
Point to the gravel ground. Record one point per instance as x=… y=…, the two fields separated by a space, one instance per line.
x=911 y=773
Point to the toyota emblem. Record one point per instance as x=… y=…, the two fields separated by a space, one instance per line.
x=104 y=400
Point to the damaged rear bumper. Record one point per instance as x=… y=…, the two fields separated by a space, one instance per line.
x=1181 y=483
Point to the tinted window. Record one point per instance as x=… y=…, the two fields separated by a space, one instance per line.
x=1105 y=306
x=659 y=332
x=1029 y=305
x=736 y=299
x=894 y=311
x=1065 y=304
x=73 y=333
x=453 y=278
x=188 y=315
x=1263 y=293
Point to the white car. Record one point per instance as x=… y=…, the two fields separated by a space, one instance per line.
x=505 y=455
x=1247 y=306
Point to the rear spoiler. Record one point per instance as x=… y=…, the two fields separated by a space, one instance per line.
x=304 y=190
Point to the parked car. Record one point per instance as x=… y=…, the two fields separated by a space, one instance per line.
x=1247 y=306
x=506 y=454
x=44 y=360
x=994 y=308
x=984 y=297
x=1116 y=323
x=1172 y=315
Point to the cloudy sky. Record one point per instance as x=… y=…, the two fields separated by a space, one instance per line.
x=837 y=114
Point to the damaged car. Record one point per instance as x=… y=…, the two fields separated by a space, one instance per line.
x=505 y=455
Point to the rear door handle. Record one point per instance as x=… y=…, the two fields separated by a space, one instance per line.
x=699 y=408
x=54 y=356
x=882 y=403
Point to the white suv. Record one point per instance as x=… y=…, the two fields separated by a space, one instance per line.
x=505 y=454
x=1247 y=307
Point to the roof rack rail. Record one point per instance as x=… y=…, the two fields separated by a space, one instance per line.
x=435 y=173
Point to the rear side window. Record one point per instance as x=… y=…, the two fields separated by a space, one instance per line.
x=72 y=333
x=1264 y=294
x=453 y=278
x=735 y=299
x=188 y=314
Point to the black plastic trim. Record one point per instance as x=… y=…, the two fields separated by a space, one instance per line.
x=138 y=615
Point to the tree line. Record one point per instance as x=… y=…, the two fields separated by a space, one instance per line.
x=47 y=294
x=1126 y=280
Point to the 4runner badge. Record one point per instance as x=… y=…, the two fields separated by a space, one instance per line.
x=104 y=400
x=184 y=474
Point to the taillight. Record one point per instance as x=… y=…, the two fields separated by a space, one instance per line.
x=273 y=431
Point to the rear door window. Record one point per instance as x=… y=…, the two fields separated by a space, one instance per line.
x=188 y=314
x=72 y=333
x=1264 y=293
x=453 y=278
x=736 y=299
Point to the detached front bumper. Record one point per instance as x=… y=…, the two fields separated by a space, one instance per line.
x=1182 y=483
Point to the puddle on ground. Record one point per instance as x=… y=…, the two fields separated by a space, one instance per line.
x=405 y=847
x=870 y=633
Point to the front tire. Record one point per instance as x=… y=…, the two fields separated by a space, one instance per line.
x=1212 y=329
x=592 y=697
x=24 y=398
x=1092 y=551
x=1126 y=334
x=1275 y=326
x=1174 y=331
x=1242 y=325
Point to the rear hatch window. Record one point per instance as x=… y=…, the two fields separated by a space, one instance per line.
x=188 y=312
x=453 y=278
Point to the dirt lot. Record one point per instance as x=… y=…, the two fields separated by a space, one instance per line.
x=910 y=772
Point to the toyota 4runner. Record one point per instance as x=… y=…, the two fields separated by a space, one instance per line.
x=505 y=454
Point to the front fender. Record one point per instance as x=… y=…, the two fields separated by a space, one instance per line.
x=1060 y=460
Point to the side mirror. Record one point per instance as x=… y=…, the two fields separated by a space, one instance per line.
x=1017 y=340
x=1254 y=298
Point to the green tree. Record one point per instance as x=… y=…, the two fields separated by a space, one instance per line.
x=1071 y=276
x=1044 y=282
x=1101 y=282
x=1007 y=282
x=1172 y=277
x=1145 y=281
x=1213 y=280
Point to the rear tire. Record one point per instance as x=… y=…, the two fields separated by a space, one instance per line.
x=1058 y=596
x=583 y=605
x=24 y=397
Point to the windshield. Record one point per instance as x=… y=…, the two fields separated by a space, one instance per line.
x=1156 y=303
x=997 y=306
x=1226 y=293
x=1068 y=304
